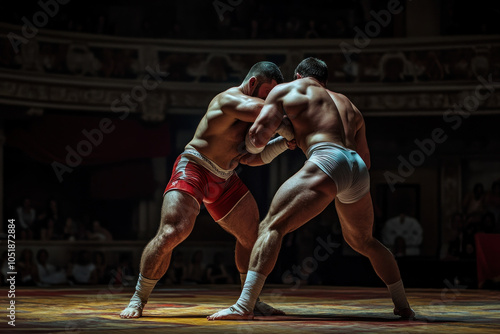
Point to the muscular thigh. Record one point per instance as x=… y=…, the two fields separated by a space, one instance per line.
x=179 y=210
x=301 y=198
x=243 y=219
x=356 y=219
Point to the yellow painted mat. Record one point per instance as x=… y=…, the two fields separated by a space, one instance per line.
x=309 y=309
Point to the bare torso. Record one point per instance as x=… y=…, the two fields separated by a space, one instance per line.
x=220 y=135
x=313 y=114
x=319 y=115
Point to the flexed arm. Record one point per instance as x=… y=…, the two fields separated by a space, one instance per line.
x=269 y=122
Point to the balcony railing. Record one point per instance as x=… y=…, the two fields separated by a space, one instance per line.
x=73 y=71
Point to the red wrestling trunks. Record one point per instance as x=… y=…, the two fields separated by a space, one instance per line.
x=201 y=178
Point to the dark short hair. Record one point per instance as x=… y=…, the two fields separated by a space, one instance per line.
x=312 y=67
x=265 y=71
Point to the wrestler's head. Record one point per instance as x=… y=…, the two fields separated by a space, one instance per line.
x=312 y=67
x=262 y=78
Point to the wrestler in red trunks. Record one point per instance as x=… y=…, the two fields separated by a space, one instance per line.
x=219 y=195
x=217 y=143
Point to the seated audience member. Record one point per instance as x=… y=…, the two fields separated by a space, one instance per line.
x=83 y=271
x=493 y=202
x=475 y=202
x=124 y=272
x=47 y=272
x=177 y=271
x=99 y=233
x=487 y=224
x=4 y=269
x=50 y=222
x=26 y=216
x=70 y=229
x=195 y=269
x=217 y=273
x=27 y=268
x=101 y=268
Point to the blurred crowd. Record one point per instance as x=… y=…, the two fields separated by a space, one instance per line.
x=89 y=268
x=48 y=223
x=480 y=214
x=83 y=267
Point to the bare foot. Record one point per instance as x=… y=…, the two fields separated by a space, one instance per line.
x=262 y=308
x=231 y=313
x=132 y=311
x=405 y=313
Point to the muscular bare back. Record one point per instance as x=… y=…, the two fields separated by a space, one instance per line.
x=313 y=113
x=354 y=126
x=317 y=115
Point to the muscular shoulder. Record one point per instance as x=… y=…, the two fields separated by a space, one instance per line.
x=228 y=97
x=346 y=107
x=227 y=101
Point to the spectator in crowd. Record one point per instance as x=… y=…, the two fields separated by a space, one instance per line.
x=454 y=234
x=99 y=233
x=401 y=229
x=124 y=272
x=177 y=271
x=492 y=201
x=475 y=202
x=70 y=229
x=468 y=244
x=101 y=268
x=83 y=271
x=195 y=269
x=488 y=223
x=312 y=32
x=50 y=222
x=4 y=269
x=462 y=246
x=27 y=268
x=217 y=273
x=47 y=272
x=26 y=216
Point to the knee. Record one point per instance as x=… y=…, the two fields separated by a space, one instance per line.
x=173 y=231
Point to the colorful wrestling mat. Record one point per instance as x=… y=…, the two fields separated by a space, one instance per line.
x=309 y=309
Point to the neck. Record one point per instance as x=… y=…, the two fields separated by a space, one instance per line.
x=320 y=83
x=245 y=89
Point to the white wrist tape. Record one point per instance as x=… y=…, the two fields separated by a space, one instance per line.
x=250 y=147
x=274 y=148
x=286 y=129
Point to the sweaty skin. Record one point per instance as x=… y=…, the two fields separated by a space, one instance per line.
x=222 y=130
x=317 y=115
x=219 y=137
x=313 y=113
